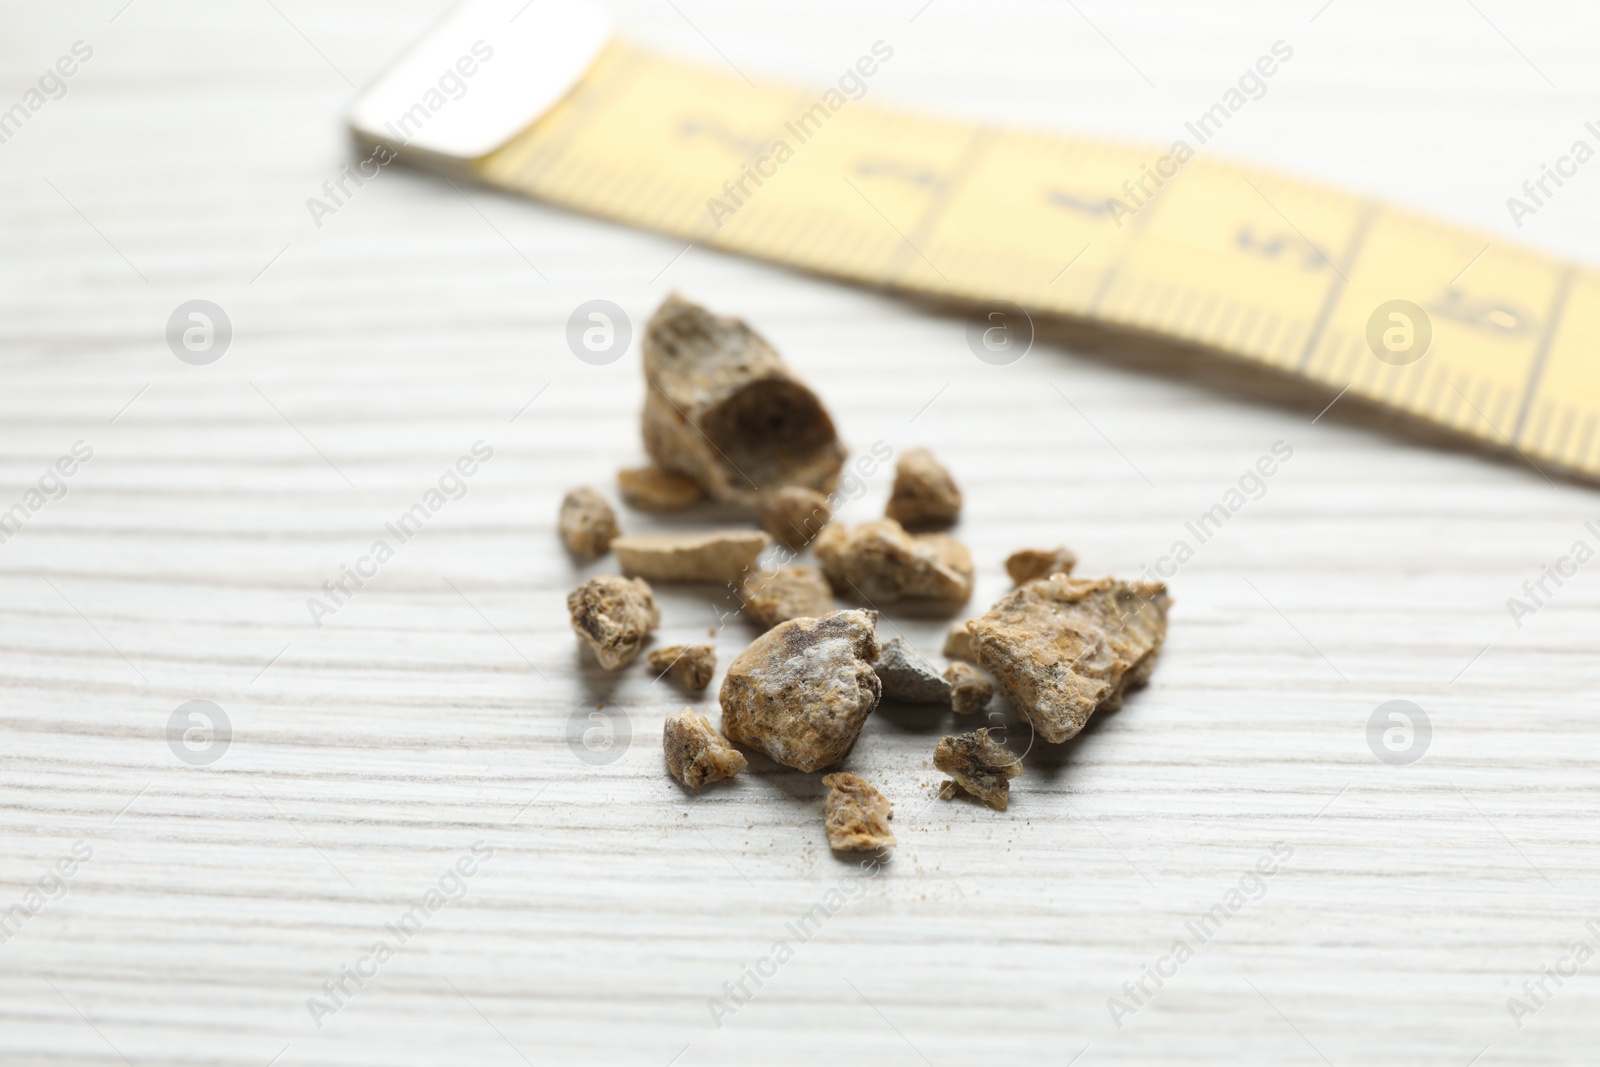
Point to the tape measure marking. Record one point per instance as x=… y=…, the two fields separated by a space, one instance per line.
x=1259 y=266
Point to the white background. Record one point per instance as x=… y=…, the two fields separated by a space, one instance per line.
x=431 y=710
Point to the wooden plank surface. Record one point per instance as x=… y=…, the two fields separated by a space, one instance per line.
x=430 y=713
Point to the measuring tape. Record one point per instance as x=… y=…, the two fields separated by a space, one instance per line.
x=1493 y=342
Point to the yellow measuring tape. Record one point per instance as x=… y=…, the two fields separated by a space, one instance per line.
x=1494 y=342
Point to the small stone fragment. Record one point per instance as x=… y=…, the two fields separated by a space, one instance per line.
x=795 y=515
x=970 y=691
x=948 y=790
x=613 y=616
x=1063 y=647
x=958 y=643
x=856 y=814
x=1031 y=563
x=723 y=408
x=881 y=563
x=924 y=494
x=908 y=676
x=696 y=753
x=711 y=556
x=981 y=766
x=587 y=523
x=802 y=691
x=654 y=489
x=790 y=593
x=690 y=666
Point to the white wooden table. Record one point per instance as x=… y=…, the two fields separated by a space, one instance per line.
x=431 y=711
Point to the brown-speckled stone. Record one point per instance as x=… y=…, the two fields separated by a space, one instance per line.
x=856 y=815
x=958 y=643
x=924 y=494
x=587 y=523
x=970 y=691
x=613 y=616
x=1063 y=647
x=794 y=515
x=691 y=666
x=1027 y=564
x=980 y=765
x=882 y=564
x=696 y=753
x=788 y=593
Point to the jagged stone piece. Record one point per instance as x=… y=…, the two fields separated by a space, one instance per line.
x=794 y=515
x=958 y=643
x=802 y=691
x=856 y=815
x=1063 y=647
x=654 y=489
x=613 y=616
x=788 y=593
x=696 y=753
x=709 y=556
x=1029 y=563
x=979 y=765
x=908 y=676
x=881 y=563
x=970 y=691
x=691 y=666
x=924 y=494
x=724 y=409
x=587 y=523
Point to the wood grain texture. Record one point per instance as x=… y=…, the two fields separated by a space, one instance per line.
x=431 y=712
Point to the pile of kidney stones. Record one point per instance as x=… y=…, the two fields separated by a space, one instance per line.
x=724 y=417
